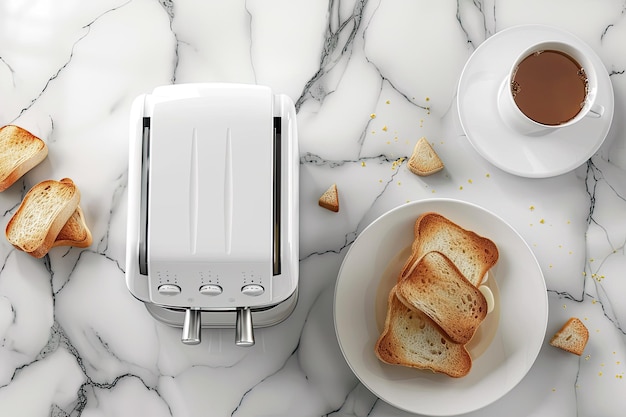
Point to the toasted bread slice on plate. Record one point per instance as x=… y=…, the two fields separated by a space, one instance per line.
x=412 y=339
x=437 y=288
x=330 y=199
x=572 y=337
x=20 y=151
x=471 y=253
x=424 y=160
x=75 y=232
x=44 y=211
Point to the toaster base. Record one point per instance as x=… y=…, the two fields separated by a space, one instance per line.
x=263 y=317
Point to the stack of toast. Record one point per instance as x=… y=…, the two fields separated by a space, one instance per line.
x=49 y=214
x=436 y=307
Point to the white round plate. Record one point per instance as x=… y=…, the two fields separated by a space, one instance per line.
x=511 y=338
x=549 y=155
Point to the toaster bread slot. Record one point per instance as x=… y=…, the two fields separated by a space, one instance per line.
x=143 y=209
x=276 y=207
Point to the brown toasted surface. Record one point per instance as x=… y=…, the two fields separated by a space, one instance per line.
x=411 y=339
x=424 y=160
x=438 y=289
x=20 y=151
x=471 y=253
x=42 y=214
x=330 y=199
x=75 y=232
x=572 y=337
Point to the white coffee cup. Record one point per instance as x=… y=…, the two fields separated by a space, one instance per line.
x=518 y=121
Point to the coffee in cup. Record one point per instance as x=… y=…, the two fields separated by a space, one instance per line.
x=550 y=85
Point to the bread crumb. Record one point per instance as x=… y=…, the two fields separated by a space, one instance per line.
x=572 y=337
x=330 y=199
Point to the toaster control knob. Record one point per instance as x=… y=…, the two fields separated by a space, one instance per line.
x=252 y=290
x=169 y=289
x=210 y=289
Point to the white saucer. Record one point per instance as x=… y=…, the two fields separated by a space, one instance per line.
x=536 y=157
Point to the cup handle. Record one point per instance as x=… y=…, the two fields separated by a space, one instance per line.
x=596 y=111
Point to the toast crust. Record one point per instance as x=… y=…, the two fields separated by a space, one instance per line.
x=412 y=339
x=20 y=151
x=438 y=289
x=471 y=253
x=44 y=211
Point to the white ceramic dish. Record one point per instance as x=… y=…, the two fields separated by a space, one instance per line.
x=503 y=353
x=535 y=157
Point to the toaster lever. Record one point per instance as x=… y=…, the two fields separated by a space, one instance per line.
x=191 y=327
x=244 y=332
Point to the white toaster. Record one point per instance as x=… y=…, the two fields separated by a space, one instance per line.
x=212 y=229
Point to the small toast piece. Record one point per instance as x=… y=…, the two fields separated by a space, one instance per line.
x=411 y=339
x=424 y=160
x=330 y=199
x=45 y=209
x=471 y=253
x=20 y=151
x=572 y=337
x=437 y=288
x=75 y=232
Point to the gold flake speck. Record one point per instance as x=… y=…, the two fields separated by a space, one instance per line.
x=373 y=116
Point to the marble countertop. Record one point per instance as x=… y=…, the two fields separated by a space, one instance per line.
x=74 y=341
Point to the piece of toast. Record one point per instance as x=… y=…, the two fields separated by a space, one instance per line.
x=412 y=339
x=471 y=253
x=44 y=211
x=572 y=337
x=424 y=160
x=438 y=289
x=20 y=151
x=330 y=199
x=74 y=232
